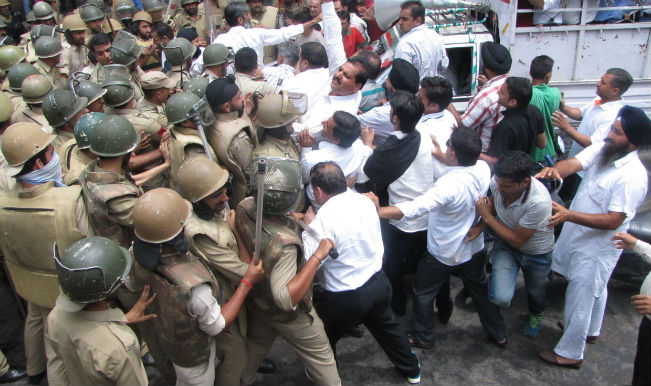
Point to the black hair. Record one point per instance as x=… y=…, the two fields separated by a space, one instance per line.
x=28 y=166
x=416 y=8
x=437 y=90
x=362 y=64
x=373 y=62
x=541 y=66
x=343 y=15
x=245 y=59
x=467 y=145
x=301 y=15
x=163 y=30
x=408 y=108
x=328 y=177
x=235 y=10
x=514 y=165
x=149 y=93
x=99 y=39
x=347 y=130
x=519 y=89
x=315 y=54
x=621 y=79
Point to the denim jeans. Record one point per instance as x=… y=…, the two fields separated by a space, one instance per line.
x=507 y=262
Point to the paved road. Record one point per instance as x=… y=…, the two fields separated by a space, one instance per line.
x=461 y=357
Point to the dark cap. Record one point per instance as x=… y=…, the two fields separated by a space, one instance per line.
x=220 y=91
x=636 y=125
x=496 y=57
x=404 y=76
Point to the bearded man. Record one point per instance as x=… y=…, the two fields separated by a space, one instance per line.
x=605 y=203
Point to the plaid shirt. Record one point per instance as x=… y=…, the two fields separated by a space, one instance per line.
x=483 y=111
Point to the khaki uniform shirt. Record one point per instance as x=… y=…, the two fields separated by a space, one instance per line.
x=62 y=137
x=153 y=113
x=16 y=100
x=7 y=182
x=152 y=63
x=178 y=76
x=73 y=162
x=92 y=348
x=183 y=20
x=73 y=58
x=247 y=85
x=52 y=73
x=33 y=114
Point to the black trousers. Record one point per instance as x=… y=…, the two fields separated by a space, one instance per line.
x=402 y=251
x=642 y=365
x=432 y=274
x=369 y=304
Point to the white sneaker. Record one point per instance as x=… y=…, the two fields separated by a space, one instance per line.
x=414 y=380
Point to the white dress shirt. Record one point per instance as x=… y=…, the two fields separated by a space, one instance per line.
x=616 y=188
x=324 y=107
x=315 y=83
x=378 y=119
x=438 y=125
x=545 y=16
x=350 y=160
x=596 y=121
x=257 y=38
x=451 y=207
x=413 y=182
x=203 y=304
x=351 y=221
x=424 y=48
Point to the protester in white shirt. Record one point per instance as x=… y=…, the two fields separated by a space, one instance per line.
x=341 y=144
x=605 y=202
x=285 y=68
x=450 y=206
x=596 y=118
x=238 y=17
x=400 y=170
x=403 y=76
x=353 y=287
x=421 y=46
x=642 y=304
x=341 y=91
x=437 y=122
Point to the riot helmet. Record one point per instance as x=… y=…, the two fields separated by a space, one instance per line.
x=282 y=184
x=62 y=105
x=186 y=105
x=84 y=127
x=160 y=215
x=113 y=136
x=199 y=177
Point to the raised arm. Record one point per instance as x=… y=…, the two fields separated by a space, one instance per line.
x=332 y=35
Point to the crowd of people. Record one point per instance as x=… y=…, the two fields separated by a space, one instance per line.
x=202 y=179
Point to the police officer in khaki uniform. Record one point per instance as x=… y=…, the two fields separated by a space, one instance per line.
x=120 y=97
x=15 y=77
x=185 y=140
x=208 y=232
x=248 y=77
x=92 y=91
x=75 y=53
x=155 y=9
x=87 y=341
x=34 y=89
x=62 y=109
x=233 y=136
x=75 y=154
x=193 y=14
x=126 y=51
x=108 y=192
x=283 y=304
x=157 y=88
x=44 y=14
x=216 y=58
x=141 y=27
x=9 y=55
x=48 y=51
x=276 y=114
x=62 y=218
x=93 y=17
x=179 y=52
x=189 y=315
x=264 y=16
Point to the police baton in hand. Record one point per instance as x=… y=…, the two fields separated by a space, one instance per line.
x=262 y=171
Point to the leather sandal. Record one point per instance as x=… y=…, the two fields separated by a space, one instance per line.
x=551 y=357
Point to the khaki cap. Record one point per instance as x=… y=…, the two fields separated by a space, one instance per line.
x=154 y=80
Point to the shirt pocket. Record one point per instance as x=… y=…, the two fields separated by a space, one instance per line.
x=599 y=192
x=124 y=335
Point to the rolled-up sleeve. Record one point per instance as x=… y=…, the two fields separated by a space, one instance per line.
x=204 y=306
x=284 y=270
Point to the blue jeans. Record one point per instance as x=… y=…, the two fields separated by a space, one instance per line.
x=507 y=262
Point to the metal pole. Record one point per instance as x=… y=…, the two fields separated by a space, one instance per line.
x=262 y=171
x=204 y=140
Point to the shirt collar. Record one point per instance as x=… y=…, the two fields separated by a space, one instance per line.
x=625 y=159
x=109 y=315
x=427 y=117
x=497 y=79
x=611 y=105
x=35 y=191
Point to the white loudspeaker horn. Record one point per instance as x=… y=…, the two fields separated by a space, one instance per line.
x=387 y=11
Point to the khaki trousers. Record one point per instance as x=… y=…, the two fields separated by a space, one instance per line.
x=35 y=338
x=305 y=334
x=231 y=352
x=4 y=365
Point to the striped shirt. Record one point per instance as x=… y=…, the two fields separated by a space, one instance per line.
x=483 y=111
